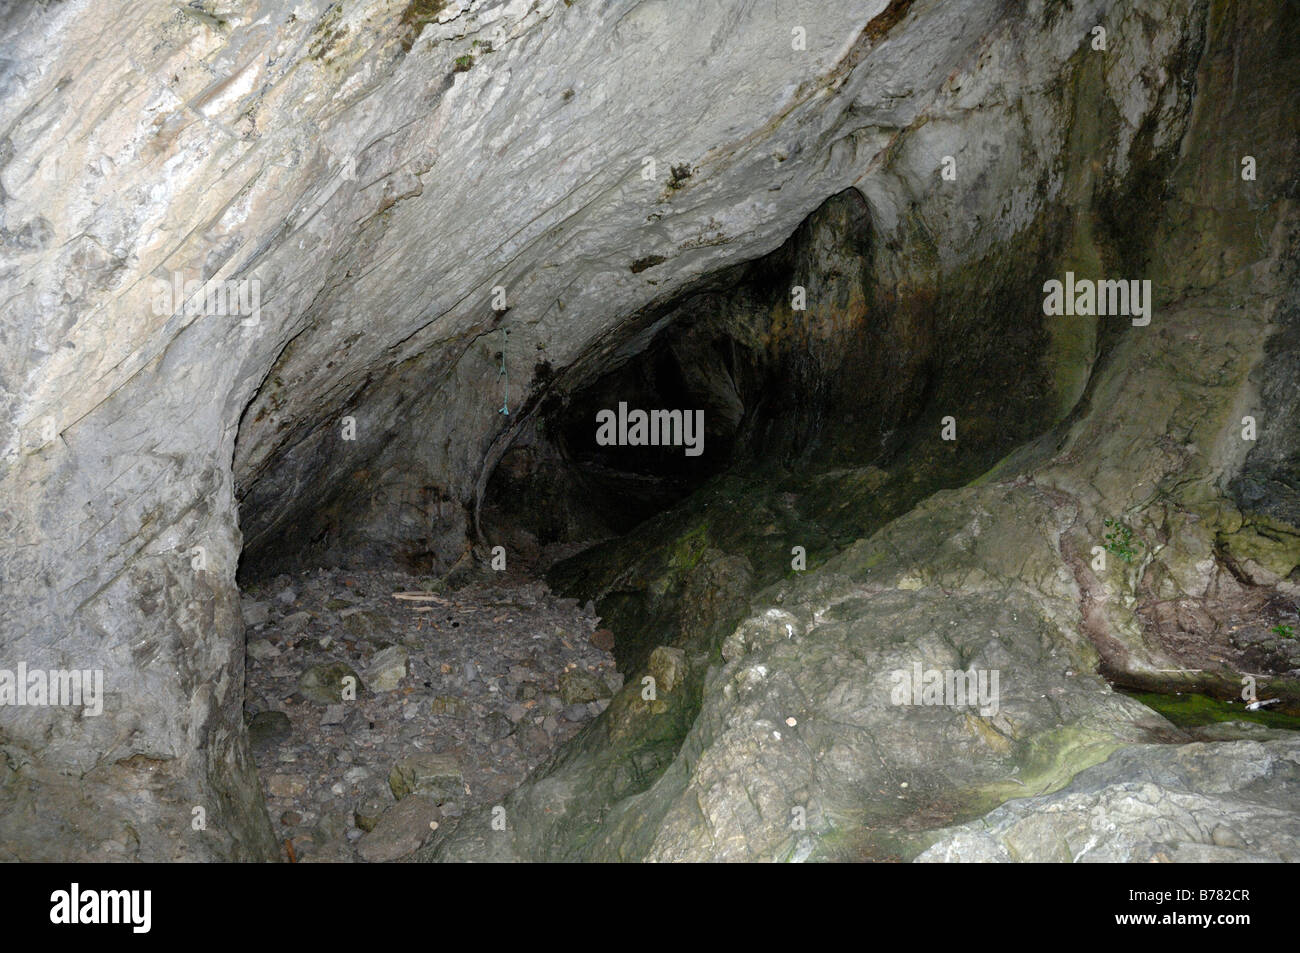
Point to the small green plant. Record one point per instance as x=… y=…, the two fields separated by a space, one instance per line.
x=1119 y=541
x=1283 y=631
x=463 y=63
x=415 y=17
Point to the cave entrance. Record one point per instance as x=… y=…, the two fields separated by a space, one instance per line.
x=629 y=445
x=802 y=363
x=833 y=401
x=824 y=393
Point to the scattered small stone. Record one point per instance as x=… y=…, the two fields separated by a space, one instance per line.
x=331 y=827
x=286 y=785
x=367 y=813
x=580 y=686
x=325 y=683
x=254 y=612
x=401 y=829
x=497 y=725
x=261 y=649
x=296 y=622
x=267 y=729
x=481 y=677
x=436 y=775
x=387 y=669
x=533 y=739
x=449 y=705
x=290 y=818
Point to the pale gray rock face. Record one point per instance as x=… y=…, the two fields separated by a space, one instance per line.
x=1229 y=803
x=377 y=186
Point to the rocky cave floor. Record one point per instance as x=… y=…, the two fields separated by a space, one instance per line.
x=459 y=695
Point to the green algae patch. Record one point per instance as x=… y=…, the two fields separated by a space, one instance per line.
x=1049 y=762
x=879 y=831
x=1189 y=710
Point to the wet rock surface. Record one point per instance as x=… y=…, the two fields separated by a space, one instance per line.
x=461 y=694
x=1197 y=803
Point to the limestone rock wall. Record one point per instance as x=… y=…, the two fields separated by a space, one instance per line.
x=378 y=168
